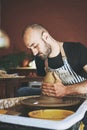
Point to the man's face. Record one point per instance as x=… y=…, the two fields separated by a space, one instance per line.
x=38 y=46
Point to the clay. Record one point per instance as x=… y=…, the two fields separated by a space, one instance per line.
x=51 y=77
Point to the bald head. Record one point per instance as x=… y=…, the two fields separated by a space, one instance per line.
x=36 y=38
x=35 y=27
x=33 y=33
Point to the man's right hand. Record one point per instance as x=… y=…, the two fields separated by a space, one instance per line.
x=57 y=89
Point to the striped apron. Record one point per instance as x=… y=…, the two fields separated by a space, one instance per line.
x=69 y=76
x=66 y=73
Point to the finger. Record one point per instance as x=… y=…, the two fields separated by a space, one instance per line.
x=48 y=88
x=48 y=94
x=47 y=85
x=49 y=91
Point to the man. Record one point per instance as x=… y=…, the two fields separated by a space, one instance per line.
x=67 y=60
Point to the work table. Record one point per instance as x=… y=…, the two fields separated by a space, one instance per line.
x=8 y=86
x=37 y=124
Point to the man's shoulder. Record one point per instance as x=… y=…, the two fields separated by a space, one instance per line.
x=73 y=45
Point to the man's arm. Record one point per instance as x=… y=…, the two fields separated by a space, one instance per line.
x=59 y=90
x=85 y=68
x=79 y=88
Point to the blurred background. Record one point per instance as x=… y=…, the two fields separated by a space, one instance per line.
x=66 y=20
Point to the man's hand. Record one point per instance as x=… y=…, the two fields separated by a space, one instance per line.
x=56 y=89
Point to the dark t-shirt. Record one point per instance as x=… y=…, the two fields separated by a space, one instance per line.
x=76 y=55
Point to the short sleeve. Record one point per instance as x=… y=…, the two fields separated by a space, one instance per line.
x=83 y=55
x=40 y=66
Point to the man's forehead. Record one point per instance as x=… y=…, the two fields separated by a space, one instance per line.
x=28 y=31
x=31 y=33
x=31 y=36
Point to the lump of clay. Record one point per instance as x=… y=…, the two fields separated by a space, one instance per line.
x=51 y=77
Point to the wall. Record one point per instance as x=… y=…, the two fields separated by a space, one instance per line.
x=0 y=13
x=65 y=19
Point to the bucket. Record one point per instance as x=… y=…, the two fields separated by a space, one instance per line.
x=50 y=114
x=54 y=114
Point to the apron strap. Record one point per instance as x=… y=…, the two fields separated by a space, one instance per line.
x=46 y=65
x=62 y=51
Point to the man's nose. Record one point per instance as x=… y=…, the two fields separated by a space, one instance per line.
x=34 y=51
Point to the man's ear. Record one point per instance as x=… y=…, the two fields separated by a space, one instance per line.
x=44 y=36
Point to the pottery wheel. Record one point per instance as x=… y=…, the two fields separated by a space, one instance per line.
x=46 y=101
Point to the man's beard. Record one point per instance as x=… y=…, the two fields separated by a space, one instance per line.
x=43 y=56
x=46 y=54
